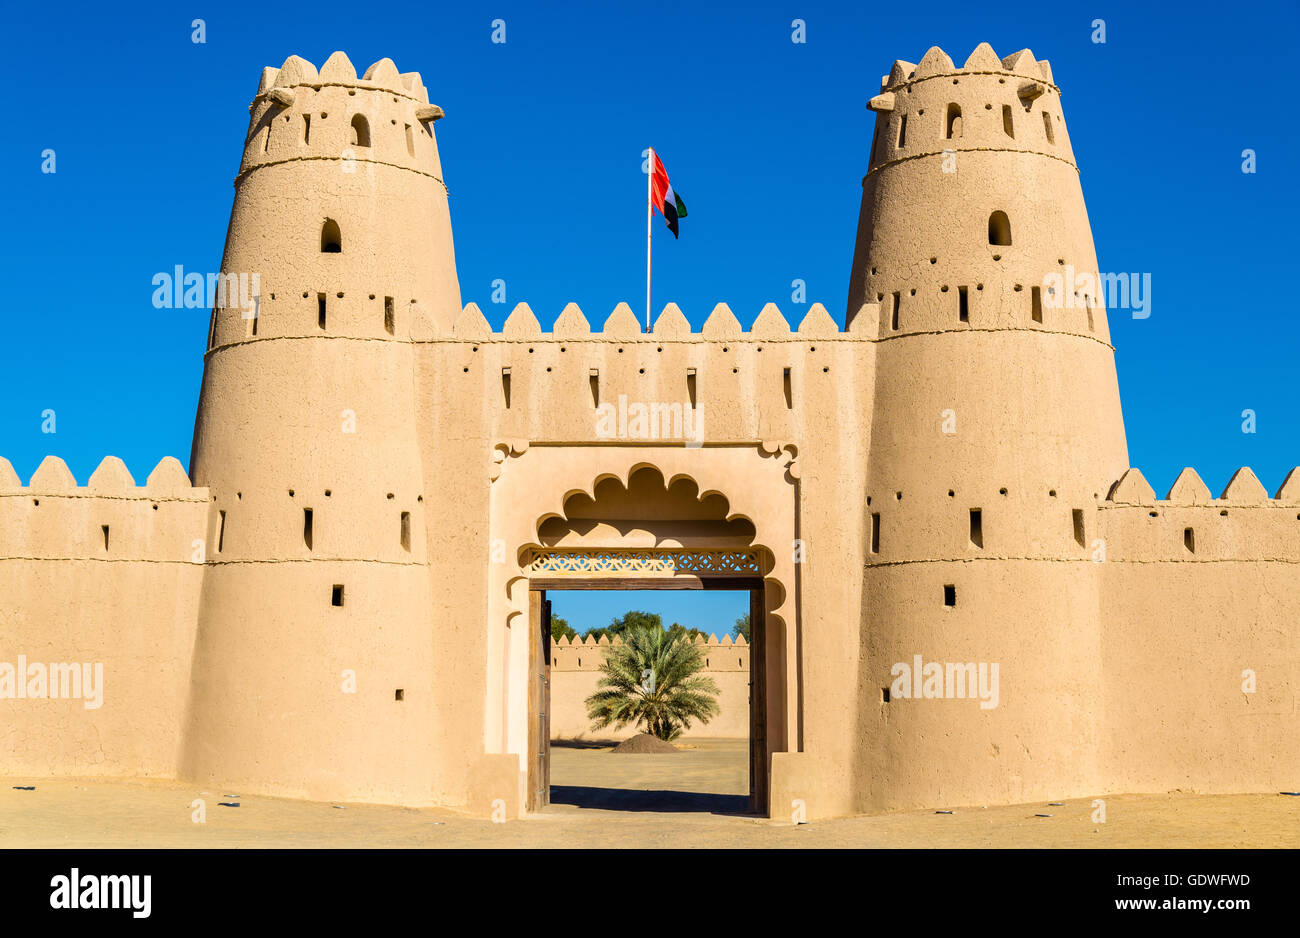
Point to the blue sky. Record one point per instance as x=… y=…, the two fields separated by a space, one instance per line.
x=766 y=139
x=714 y=612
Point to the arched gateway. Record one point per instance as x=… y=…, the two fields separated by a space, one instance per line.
x=640 y=518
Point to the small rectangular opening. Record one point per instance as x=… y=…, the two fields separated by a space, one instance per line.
x=1089 y=305
x=390 y=317
x=902 y=131
x=221 y=530
x=505 y=385
x=306 y=128
x=1007 y=126
x=690 y=385
x=976 y=528
x=104 y=527
x=336 y=595
x=410 y=141
x=789 y=391
x=266 y=141
x=950 y=594
x=1189 y=540
x=875 y=532
x=1076 y=516
x=399 y=694
x=1036 y=303
x=320 y=310
x=884 y=695
x=306 y=527
x=1047 y=126
x=898 y=301
x=593 y=382
x=963 y=305
x=406 y=530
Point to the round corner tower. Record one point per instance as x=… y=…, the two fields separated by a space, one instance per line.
x=313 y=642
x=995 y=430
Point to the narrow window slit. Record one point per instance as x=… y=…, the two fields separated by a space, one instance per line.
x=976 y=528
x=954 y=121
x=360 y=131
x=999 y=229
x=331 y=238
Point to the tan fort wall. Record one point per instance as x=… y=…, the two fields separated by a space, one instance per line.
x=125 y=599
x=575 y=672
x=1184 y=618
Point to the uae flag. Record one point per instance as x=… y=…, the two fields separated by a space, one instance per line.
x=662 y=196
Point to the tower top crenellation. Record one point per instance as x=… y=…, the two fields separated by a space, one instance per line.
x=983 y=61
x=338 y=70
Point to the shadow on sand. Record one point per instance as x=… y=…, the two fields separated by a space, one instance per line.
x=584 y=743
x=666 y=802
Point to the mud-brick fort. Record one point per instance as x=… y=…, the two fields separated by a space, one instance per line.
x=346 y=597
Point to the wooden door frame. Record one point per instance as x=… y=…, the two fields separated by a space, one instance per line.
x=539 y=686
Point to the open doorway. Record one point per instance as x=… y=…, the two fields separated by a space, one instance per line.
x=606 y=734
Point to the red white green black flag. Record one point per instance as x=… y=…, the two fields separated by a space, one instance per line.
x=662 y=196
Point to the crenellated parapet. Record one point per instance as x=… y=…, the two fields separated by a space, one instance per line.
x=1189 y=525
x=671 y=325
x=109 y=519
x=587 y=652
x=585 y=379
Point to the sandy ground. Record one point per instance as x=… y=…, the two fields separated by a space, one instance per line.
x=695 y=798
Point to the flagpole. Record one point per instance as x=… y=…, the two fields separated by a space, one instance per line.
x=649 y=217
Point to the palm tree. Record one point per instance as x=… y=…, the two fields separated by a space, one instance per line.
x=651 y=677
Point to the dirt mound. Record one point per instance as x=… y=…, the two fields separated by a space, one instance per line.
x=644 y=742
